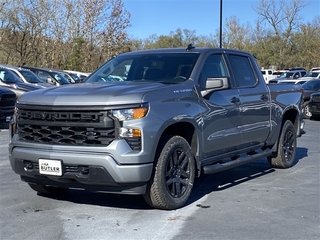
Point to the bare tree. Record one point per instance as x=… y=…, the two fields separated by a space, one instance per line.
x=115 y=37
x=26 y=24
x=82 y=34
x=235 y=35
x=282 y=15
x=306 y=43
x=53 y=33
x=178 y=38
x=104 y=30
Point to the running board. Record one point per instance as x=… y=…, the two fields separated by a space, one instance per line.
x=218 y=167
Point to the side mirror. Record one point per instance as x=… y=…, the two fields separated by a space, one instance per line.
x=215 y=83
x=50 y=81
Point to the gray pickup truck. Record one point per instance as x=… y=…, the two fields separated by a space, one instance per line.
x=150 y=122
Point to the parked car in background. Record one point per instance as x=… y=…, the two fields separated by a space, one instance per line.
x=314 y=105
x=81 y=75
x=293 y=74
x=315 y=68
x=11 y=81
x=311 y=75
x=7 y=104
x=310 y=87
x=72 y=78
x=26 y=75
x=292 y=81
x=277 y=73
x=296 y=68
x=267 y=74
x=49 y=76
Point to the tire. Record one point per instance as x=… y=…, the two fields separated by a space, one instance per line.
x=287 y=144
x=47 y=189
x=173 y=177
x=306 y=111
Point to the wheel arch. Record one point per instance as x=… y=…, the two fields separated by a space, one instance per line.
x=293 y=116
x=188 y=131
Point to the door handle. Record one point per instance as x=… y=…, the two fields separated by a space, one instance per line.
x=235 y=100
x=264 y=97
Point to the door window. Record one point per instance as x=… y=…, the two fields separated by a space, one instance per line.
x=242 y=70
x=213 y=67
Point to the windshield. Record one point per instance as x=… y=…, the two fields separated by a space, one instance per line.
x=74 y=76
x=286 y=75
x=312 y=74
x=30 y=76
x=8 y=77
x=160 y=67
x=67 y=76
x=60 y=78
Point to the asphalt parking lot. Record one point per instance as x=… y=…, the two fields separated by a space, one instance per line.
x=250 y=202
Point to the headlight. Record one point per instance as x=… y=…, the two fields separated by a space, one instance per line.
x=13 y=123
x=130 y=114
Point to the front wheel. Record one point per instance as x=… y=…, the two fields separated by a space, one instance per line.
x=287 y=144
x=174 y=174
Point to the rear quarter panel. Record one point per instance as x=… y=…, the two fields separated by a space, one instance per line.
x=286 y=103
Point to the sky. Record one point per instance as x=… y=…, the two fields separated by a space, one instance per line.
x=160 y=17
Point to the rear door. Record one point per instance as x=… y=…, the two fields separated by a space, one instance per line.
x=254 y=109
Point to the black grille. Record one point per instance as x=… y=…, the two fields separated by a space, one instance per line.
x=66 y=127
x=316 y=98
x=7 y=100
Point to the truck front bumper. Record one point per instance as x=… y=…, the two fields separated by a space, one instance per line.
x=91 y=171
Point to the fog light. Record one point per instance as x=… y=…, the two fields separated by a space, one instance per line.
x=84 y=170
x=27 y=165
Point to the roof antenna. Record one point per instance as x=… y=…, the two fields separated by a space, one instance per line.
x=190 y=46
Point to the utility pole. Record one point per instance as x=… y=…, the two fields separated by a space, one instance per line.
x=220 y=23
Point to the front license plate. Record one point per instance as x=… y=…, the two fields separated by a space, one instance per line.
x=50 y=167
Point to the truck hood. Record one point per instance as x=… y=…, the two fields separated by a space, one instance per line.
x=91 y=94
x=23 y=87
x=42 y=85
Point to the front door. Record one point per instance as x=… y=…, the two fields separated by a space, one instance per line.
x=221 y=121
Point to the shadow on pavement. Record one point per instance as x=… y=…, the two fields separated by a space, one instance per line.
x=203 y=186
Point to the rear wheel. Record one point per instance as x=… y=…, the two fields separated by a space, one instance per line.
x=287 y=145
x=306 y=110
x=47 y=189
x=172 y=181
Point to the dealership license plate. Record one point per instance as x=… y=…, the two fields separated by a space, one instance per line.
x=50 y=167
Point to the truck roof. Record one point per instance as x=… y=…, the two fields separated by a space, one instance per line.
x=186 y=50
